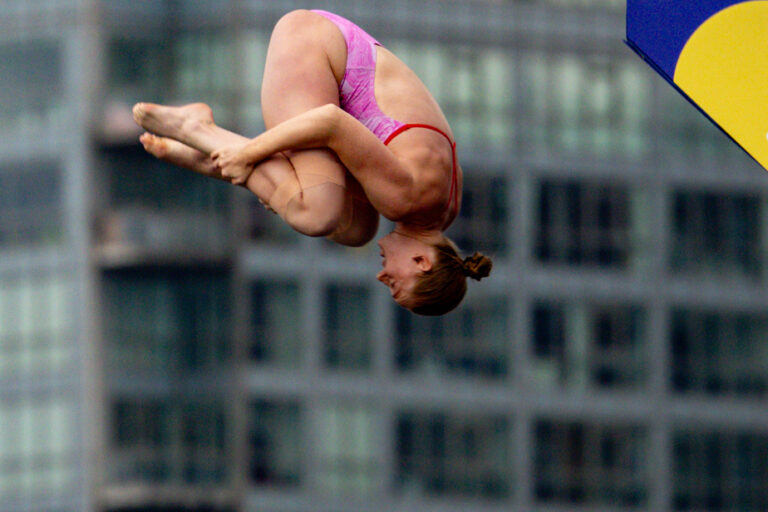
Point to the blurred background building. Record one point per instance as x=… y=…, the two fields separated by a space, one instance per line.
x=166 y=345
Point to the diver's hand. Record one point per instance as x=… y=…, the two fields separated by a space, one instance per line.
x=233 y=163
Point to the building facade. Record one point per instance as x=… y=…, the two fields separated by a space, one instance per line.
x=167 y=345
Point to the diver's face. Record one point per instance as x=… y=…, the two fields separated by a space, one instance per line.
x=403 y=260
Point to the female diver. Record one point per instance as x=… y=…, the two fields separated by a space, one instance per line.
x=336 y=154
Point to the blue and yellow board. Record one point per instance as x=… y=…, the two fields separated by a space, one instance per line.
x=716 y=53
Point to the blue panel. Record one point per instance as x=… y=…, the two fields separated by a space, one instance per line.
x=659 y=29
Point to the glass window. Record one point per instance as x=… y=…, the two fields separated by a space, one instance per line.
x=158 y=319
x=348 y=343
x=586 y=103
x=276 y=450
x=39 y=444
x=39 y=440
x=168 y=441
x=31 y=86
x=203 y=428
x=614 y=4
x=473 y=341
x=31 y=215
x=717 y=234
x=478 y=100
x=494 y=96
x=482 y=222
x=36 y=324
x=156 y=207
x=348 y=449
x=576 y=463
x=137 y=180
x=720 y=471
x=138 y=69
x=684 y=133
x=252 y=48
x=719 y=353
x=584 y=224
x=142 y=433
x=193 y=66
x=140 y=423
x=580 y=346
x=205 y=67
x=446 y=455
x=275 y=315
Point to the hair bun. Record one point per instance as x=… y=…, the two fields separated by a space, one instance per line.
x=477 y=266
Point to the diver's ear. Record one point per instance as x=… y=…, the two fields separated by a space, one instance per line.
x=423 y=262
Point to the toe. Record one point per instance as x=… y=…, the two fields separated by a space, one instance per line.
x=138 y=111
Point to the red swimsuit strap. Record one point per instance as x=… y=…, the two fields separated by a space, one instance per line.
x=453 y=196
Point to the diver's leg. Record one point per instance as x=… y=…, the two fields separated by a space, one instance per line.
x=192 y=125
x=314 y=196
x=305 y=62
x=177 y=153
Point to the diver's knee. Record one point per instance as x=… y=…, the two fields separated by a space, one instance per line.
x=313 y=223
x=295 y=20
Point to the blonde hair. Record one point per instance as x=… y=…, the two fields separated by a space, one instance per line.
x=442 y=288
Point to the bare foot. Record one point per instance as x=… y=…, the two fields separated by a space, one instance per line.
x=173 y=122
x=176 y=153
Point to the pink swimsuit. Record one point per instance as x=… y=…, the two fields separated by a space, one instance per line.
x=356 y=92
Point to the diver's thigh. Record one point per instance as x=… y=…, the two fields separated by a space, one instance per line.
x=305 y=61
x=299 y=71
